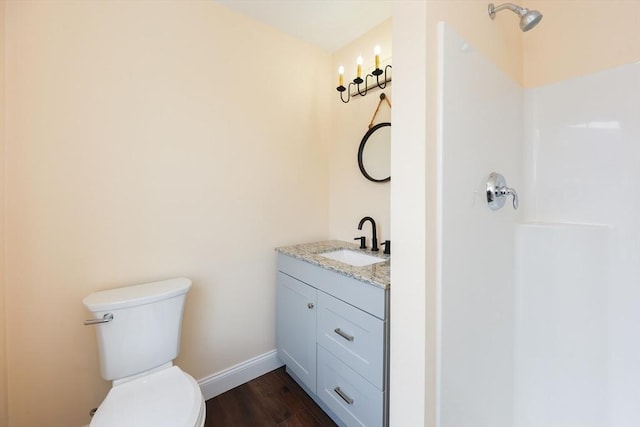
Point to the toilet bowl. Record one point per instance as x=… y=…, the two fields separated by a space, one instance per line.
x=138 y=329
x=168 y=398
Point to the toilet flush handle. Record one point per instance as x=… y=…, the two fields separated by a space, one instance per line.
x=105 y=319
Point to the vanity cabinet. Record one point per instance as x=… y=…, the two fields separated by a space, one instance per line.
x=333 y=334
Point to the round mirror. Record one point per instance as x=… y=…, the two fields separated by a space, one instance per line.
x=374 y=153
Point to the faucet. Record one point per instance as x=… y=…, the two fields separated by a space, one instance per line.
x=374 y=238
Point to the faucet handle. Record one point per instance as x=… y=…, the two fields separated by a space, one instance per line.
x=387 y=247
x=497 y=192
x=512 y=192
x=363 y=244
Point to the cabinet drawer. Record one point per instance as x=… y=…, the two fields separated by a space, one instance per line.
x=369 y=298
x=352 y=398
x=353 y=336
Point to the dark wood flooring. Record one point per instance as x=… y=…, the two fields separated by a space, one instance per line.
x=273 y=399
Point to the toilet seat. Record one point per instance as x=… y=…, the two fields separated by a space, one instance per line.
x=167 y=398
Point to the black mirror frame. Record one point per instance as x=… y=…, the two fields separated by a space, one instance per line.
x=361 y=150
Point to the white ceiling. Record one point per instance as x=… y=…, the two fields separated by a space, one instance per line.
x=329 y=24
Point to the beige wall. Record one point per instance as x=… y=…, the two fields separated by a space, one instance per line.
x=499 y=39
x=352 y=196
x=148 y=140
x=3 y=354
x=138 y=148
x=576 y=38
x=408 y=211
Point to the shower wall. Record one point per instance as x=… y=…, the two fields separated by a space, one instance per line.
x=480 y=132
x=538 y=307
x=561 y=325
x=581 y=166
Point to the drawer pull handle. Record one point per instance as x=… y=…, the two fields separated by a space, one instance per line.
x=343 y=334
x=343 y=395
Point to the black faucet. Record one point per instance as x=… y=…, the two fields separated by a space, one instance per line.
x=374 y=238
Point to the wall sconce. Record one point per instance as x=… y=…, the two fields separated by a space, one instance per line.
x=376 y=73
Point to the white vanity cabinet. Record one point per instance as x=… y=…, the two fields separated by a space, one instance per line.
x=333 y=335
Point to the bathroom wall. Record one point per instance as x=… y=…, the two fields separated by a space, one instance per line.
x=407 y=306
x=409 y=376
x=580 y=38
x=499 y=39
x=352 y=196
x=3 y=354
x=147 y=140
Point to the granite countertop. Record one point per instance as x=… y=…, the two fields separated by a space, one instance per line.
x=375 y=274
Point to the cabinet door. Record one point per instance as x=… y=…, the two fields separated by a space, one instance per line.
x=296 y=328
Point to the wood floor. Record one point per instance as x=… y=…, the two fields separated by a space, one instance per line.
x=273 y=399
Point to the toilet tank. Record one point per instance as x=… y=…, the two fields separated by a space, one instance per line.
x=146 y=326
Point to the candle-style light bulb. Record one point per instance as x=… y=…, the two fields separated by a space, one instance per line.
x=341 y=76
x=376 y=52
x=359 y=69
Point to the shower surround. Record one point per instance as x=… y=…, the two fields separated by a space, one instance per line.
x=582 y=166
x=539 y=308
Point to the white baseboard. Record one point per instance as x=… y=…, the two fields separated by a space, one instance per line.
x=239 y=374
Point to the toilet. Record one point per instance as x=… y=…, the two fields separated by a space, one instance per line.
x=138 y=329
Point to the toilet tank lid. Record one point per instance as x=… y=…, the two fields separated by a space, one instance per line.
x=131 y=296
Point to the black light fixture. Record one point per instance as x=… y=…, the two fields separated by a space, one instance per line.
x=380 y=82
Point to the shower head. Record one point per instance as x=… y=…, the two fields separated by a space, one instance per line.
x=528 y=18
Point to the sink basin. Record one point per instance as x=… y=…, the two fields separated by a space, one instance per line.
x=356 y=259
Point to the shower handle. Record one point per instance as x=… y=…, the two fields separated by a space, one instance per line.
x=506 y=191
x=497 y=192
